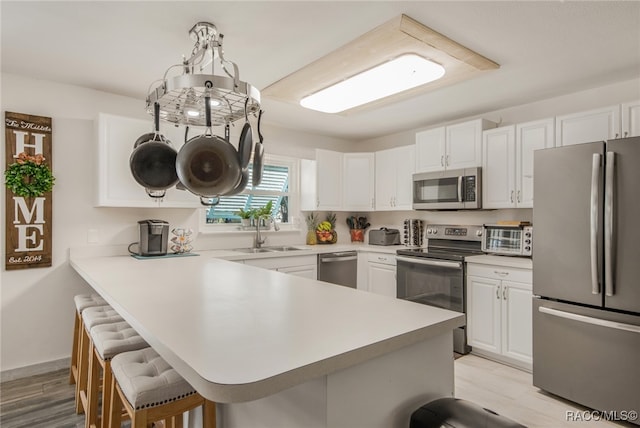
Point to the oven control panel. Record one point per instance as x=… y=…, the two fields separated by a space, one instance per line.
x=466 y=233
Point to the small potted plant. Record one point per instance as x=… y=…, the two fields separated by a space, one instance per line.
x=262 y=215
x=245 y=216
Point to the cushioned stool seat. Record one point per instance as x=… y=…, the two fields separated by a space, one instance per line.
x=82 y=302
x=151 y=390
x=91 y=317
x=107 y=341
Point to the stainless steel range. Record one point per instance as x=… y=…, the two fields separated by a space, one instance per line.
x=436 y=275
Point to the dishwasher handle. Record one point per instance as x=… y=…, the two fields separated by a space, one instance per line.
x=334 y=258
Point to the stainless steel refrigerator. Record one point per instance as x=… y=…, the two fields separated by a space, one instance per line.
x=586 y=274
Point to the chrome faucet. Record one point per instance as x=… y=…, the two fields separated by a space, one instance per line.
x=259 y=239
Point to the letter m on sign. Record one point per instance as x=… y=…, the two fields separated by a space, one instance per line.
x=29 y=221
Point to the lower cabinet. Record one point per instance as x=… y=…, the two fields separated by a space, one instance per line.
x=304 y=266
x=499 y=318
x=377 y=273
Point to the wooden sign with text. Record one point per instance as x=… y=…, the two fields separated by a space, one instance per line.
x=28 y=219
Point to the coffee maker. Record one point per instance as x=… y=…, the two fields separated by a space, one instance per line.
x=154 y=235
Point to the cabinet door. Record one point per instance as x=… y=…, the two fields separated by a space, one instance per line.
x=116 y=186
x=385 y=179
x=308 y=271
x=430 y=150
x=498 y=168
x=530 y=137
x=404 y=166
x=517 y=321
x=588 y=127
x=382 y=279
x=329 y=180
x=308 y=185
x=483 y=313
x=359 y=182
x=464 y=145
x=631 y=119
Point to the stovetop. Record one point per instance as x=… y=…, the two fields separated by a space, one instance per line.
x=439 y=253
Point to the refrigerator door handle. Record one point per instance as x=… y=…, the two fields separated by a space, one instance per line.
x=590 y=320
x=608 y=224
x=595 y=196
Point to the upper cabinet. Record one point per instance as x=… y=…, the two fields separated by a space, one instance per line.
x=631 y=119
x=451 y=147
x=588 y=126
x=359 y=184
x=329 y=180
x=507 y=162
x=394 y=178
x=338 y=181
x=115 y=184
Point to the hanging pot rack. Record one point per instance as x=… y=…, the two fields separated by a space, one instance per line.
x=181 y=98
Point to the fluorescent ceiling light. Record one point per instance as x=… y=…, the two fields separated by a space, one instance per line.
x=395 y=76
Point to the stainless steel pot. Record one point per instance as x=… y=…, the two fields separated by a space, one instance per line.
x=153 y=161
x=208 y=165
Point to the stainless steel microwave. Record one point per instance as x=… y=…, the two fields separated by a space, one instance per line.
x=457 y=189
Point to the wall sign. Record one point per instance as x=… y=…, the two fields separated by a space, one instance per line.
x=28 y=182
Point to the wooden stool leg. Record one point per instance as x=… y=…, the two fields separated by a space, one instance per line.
x=209 y=414
x=139 y=419
x=115 y=408
x=73 y=371
x=83 y=360
x=107 y=377
x=178 y=421
x=91 y=418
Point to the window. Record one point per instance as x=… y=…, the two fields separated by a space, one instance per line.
x=278 y=185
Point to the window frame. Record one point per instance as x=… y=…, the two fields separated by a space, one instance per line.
x=294 y=199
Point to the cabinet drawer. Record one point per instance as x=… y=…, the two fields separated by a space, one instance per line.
x=500 y=272
x=385 y=259
x=282 y=262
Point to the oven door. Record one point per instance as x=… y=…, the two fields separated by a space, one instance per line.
x=431 y=282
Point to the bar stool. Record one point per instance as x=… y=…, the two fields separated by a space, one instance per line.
x=82 y=302
x=151 y=390
x=107 y=341
x=90 y=318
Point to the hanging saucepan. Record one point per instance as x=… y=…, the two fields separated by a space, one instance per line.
x=258 y=156
x=244 y=177
x=245 y=145
x=153 y=160
x=208 y=165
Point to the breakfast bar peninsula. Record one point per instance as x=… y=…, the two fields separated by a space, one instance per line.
x=276 y=350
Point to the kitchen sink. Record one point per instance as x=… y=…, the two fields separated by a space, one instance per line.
x=284 y=248
x=253 y=250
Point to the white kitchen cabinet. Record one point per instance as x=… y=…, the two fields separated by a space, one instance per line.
x=451 y=147
x=338 y=182
x=359 y=184
x=499 y=318
x=394 y=179
x=507 y=162
x=329 y=180
x=116 y=186
x=377 y=273
x=304 y=266
x=631 y=119
x=588 y=126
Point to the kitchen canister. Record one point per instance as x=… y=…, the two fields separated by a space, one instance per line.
x=413 y=232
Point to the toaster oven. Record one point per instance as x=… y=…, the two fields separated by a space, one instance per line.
x=507 y=240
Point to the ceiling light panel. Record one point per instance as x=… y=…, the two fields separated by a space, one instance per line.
x=390 y=40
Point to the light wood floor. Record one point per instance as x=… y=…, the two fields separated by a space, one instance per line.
x=46 y=401
x=510 y=392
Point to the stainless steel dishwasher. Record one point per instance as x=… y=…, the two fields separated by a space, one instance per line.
x=338 y=268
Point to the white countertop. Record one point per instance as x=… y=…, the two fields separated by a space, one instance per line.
x=507 y=261
x=239 y=333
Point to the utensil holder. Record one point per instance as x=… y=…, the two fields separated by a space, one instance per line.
x=413 y=232
x=357 y=235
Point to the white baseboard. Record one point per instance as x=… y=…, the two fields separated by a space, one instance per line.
x=35 y=369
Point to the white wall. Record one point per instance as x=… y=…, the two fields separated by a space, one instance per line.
x=37 y=305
